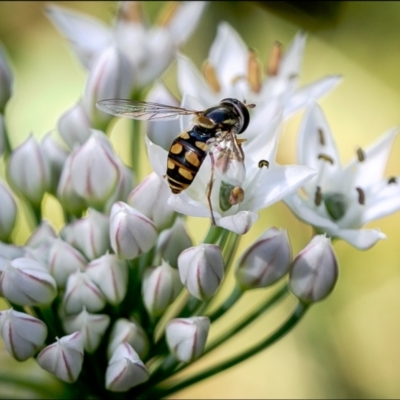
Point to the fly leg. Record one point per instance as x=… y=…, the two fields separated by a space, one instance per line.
x=209 y=188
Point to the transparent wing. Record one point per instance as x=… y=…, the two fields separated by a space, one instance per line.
x=142 y=110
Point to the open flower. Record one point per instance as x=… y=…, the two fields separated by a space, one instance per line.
x=339 y=201
x=141 y=44
x=260 y=186
x=232 y=70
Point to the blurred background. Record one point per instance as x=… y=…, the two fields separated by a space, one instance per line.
x=347 y=346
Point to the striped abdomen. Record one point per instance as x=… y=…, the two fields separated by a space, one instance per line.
x=185 y=157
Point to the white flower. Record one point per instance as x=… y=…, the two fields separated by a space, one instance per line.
x=22 y=334
x=261 y=186
x=186 y=337
x=125 y=369
x=314 y=271
x=339 y=201
x=232 y=70
x=63 y=358
x=149 y=49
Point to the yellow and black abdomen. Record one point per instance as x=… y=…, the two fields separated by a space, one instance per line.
x=185 y=157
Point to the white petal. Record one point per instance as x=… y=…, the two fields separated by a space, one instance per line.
x=291 y=60
x=239 y=223
x=303 y=96
x=228 y=54
x=87 y=35
x=157 y=157
x=183 y=204
x=361 y=239
x=271 y=185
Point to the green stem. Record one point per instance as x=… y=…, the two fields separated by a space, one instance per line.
x=227 y=304
x=7 y=145
x=135 y=141
x=278 y=334
x=213 y=234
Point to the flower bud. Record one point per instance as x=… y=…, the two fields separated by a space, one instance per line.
x=186 y=337
x=109 y=78
x=94 y=170
x=131 y=232
x=81 y=292
x=74 y=126
x=125 y=369
x=64 y=260
x=56 y=156
x=92 y=327
x=90 y=235
x=171 y=242
x=41 y=235
x=161 y=286
x=201 y=269
x=130 y=332
x=26 y=282
x=314 y=271
x=110 y=274
x=63 y=358
x=29 y=170
x=10 y=251
x=266 y=261
x=70 y=200
x=6 y=80
x=150 y=198
x=22 y=334
x=8 y=212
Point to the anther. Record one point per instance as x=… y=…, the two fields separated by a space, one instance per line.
x=263 y=163
x=321 y=137
x=274 y=60
x=318 y=196
x=361 y=196
x=360 y=154
x=167 y=13
x=254 y=71
x=325 y=157
x=392 y=179
x=211 y=76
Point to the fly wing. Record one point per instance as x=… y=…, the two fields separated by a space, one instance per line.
x=142 y=110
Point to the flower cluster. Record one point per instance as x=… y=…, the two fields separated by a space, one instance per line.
x=119 y=299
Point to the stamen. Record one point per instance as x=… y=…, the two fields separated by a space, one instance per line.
x=274 y=60
x=318 y=196
x=360 y=154
x=361 y=196
x=211 y=76
x=167 y=13
x=325 y=157
x=263 y=163
x=321 y=137
x=254 y=72
x=237 y=78
x=392 y=179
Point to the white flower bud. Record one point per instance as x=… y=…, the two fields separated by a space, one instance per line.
x=74 y=126
x=90 y=235
x=95 y=171
x=110 y=274
x=201 y=269
x=11 y=251
x=22 y=334
x=41 y=235
x=92 y=327
x=125 y=369
x=81 y=292
x=6 y=80
x=26 y=282
x=130 y=332
x=314 y=271
x=63 y=358
x=56 y=156
x=70 y=200
x=186 y=337
x=150 y=198
x=29 y=170
x=131 y=232
x=266 y=261
x=171 y=242
x=161 y=286
x=64 y=260
x=109 y=78
x=8 y=212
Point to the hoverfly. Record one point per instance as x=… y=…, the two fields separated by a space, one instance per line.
x=214 y=132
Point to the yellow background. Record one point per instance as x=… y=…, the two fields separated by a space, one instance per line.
x=348 y=346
